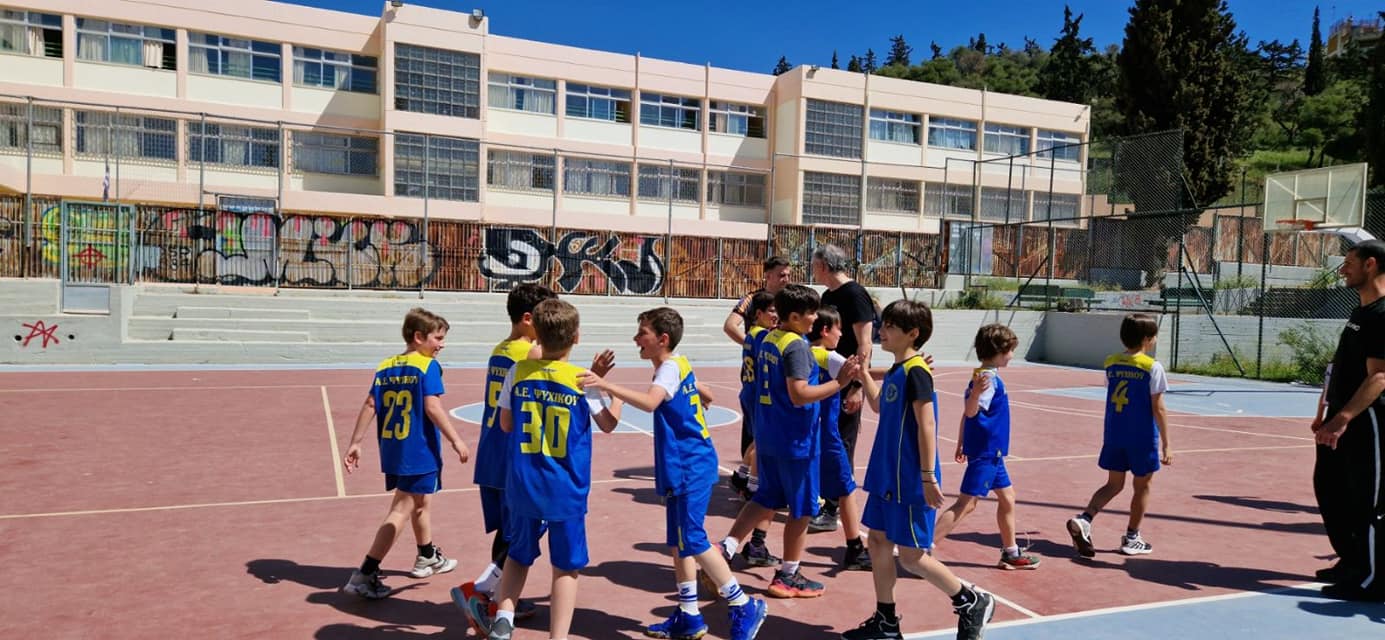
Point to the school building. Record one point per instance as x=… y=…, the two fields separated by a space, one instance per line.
x=183 y=103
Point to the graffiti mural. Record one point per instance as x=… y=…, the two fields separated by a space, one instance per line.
x=513 y=255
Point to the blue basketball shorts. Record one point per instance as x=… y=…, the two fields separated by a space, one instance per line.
x=684 y=516
x=567 y=541
x=907 y=525
x=494 y=510
x=1140 y=459
x=984 y=475
x=788 y=483
x=422 y=484
x=838 y=478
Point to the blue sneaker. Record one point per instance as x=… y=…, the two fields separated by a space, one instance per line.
x=747 y=618
x=679 y=626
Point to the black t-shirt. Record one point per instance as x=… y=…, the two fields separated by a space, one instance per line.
x=854 y=304
x=1363 y=337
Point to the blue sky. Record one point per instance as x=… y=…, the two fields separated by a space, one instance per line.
x=735 y=34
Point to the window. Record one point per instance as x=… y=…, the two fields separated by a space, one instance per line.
x=131 y=44
x=951 y=200
x=334 y=70
x=893 y=126
x=830 y=198
x=737 y=119
x=331 y=153
x=233 y=145
x=126 y=136
x=235 y=57
x=598 y=103
x=47 y=128
x=1065 y=206
x=437 y=81
x=736 y=189
x=1007 y=140
x=948 y=133
x=1059 y=144
x=519 y=170
x=31 y=33
x=669 y=111
x=883 y=194
x=833 y=129
x=538 y=95
x=654 y=183
x=453 y=167
x=996 y=206
x=596 y=177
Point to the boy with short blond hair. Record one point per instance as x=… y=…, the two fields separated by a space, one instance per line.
x=405 y=406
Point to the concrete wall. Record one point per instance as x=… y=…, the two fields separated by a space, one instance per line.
x=1198 y=340
x=1086 y=339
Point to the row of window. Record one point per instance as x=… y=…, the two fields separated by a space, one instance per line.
x=834 y=129
x=540 y=95
x=830 y=198
x=587 y=176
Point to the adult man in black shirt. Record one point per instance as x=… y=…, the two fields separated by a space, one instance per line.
x=1347 y=476
x=830 y=264
x=776 y=278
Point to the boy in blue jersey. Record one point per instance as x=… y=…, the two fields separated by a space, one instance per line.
x=983 y=441
x=903 y=480
x=685 y=470
x=405 y=407
x=838 y=479
x=543 y=406
x=786 y=435
x=746 y=479
x=1135 y=439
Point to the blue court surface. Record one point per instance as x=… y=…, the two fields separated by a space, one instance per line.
x=632 y=420
x=1223 y=397
x=1271 y=615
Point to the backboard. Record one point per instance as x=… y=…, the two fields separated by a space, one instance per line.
x=1329 y=197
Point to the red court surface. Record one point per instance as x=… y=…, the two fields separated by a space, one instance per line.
x=142 y=504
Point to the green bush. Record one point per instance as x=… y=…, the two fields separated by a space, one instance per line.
x=1221 y=365
x=996 y=284
x=974 y=299
x=1313 y=351
x=1237 y=282
x=1325 y=278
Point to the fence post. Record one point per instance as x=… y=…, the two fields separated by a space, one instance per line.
x=350 y=246
x=1178 y=295
x=279 y=206
x=26 y=249
x=721 y=264
x=423 y=246
x=1264 y=276
x=899 y=263
x=668 y=238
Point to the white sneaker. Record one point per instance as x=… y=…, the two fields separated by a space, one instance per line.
x=366 y=586
x=1135 y=546
x=439 y=563
x=1081 y=531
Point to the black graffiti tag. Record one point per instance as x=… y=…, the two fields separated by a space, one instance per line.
x=515 y=255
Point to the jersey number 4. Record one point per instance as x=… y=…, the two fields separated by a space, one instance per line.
x=399 y=410
x=546 y=426
x=1118 y=397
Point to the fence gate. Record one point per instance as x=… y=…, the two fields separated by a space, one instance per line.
x=96 y=250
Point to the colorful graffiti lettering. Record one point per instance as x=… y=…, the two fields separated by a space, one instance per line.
x=515 y=255
x=98 y=236
x=39 y=330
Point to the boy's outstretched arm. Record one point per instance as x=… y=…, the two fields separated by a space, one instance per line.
x=365 y=419
x=608 y=418
x=1161 y=420
x=432 y=407
x=871 y=388
x=801 y=393
x=705 y=393
x=646 y=401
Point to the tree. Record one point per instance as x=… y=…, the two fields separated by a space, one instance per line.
x=782 y=67
x=1327 y=122
x=980 y=44
x=868 y=63
x=1373 y=116
x=937 y=50
x=854 y=64
x=834 y=60
x=1070 y=74
x=899 y=52
x=1181 y=67
x=1315 y=76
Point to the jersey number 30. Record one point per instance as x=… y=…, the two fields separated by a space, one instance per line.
x=1118 y=397
x=399 y=410
x=546 y=426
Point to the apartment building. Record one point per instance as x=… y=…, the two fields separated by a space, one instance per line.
x=313 y=110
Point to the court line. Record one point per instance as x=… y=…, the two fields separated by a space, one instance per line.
x=244 y=503
x=651 y=435
x=1093 y=456
x=919 y=635
x=336 y=450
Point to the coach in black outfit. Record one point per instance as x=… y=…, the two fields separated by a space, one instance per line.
x=1347 y=477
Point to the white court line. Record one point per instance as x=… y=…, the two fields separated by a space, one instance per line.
x=242 y=503
x=1093 y=456
x=1122 y=609
x=336 y=450
x=651 y=435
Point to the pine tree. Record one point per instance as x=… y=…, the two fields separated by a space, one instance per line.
x=1315 y=75
x=937 y=50
x=1069 y=75
x=834 y=60
x=854 y=64
x=980 y=44
x=868 y=63
x=782 y=67
x=899 y=52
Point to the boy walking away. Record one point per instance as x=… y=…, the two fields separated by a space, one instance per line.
x=983 y=441
x=1136 y=436
x=904 y=482
x=838 y=478
x=405 y=406
x=685 y=470
x=549 y=479
x=786 y=436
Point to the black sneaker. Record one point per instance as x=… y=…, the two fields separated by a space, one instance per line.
x=973 y=616
x=825 y=520
x=1336 y=574
x=875 y=628
x=740 y=484
x=857 y=559
x=757 y=554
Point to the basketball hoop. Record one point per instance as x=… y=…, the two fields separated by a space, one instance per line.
x=1353 y=234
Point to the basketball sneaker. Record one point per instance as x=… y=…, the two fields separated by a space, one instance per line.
x=501 y=630
x=973 y=616
x=857 y=559
x=794 y=586
x=825 y=520
x=757 y=554
x=679 y=626
x=1135 y=545
x=1018 y=561
x=877 y=627
x=439 y=563
x=367 y=586
x=477 y=607
x=1081 y=531
x=747 y=618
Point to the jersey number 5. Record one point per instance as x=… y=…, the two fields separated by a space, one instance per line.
x=399 y=410
x=1118 y=397
x=546 y=426
x=493 y=399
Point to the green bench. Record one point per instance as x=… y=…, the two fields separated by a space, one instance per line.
x=1178 y=298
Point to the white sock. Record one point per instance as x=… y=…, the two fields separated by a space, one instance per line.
x=687 y=597
x=733 y=594
x=789 y=568
x=488 y=580
x=730 y=545
x=505 y=615
x=1012 y=551
x=743 y=471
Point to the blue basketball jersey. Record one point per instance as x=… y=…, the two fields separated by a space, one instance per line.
x=409 y=442
x=988 y=432
x=684 y=458
x=492 y=451
x=894 y=473
x=551 y=446
x=1129 y=408
x=782 y=429
x=754 y=337
x=828 y=408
